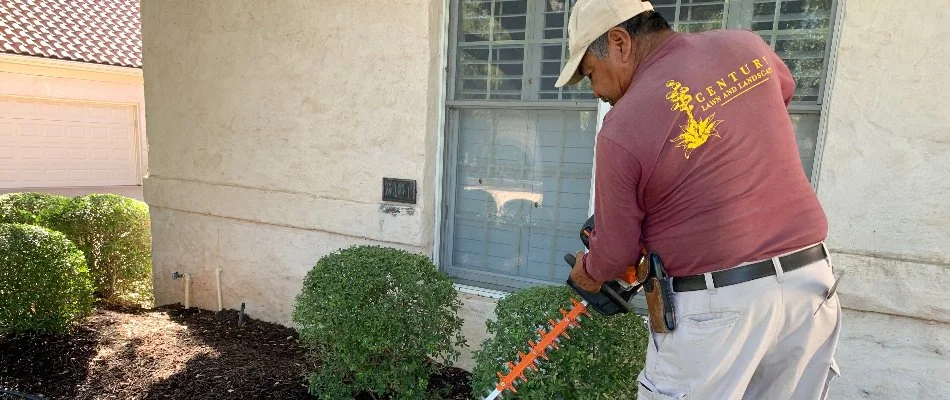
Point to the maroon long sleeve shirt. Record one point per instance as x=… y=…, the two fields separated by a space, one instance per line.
x=698 y=161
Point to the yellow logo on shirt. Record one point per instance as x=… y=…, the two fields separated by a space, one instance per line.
x=696 y=131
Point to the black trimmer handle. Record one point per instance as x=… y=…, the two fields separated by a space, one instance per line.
x=570 y=259
x=608 y=301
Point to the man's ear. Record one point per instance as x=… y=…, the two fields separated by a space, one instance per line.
x=618 y=40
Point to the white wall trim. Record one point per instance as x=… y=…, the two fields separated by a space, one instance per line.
x=602 y=109
x=47 y=99
x=440 y=139
x=829 y=88
x=64 y=65
x=477 y=291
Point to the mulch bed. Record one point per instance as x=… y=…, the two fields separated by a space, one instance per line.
x=171 y=353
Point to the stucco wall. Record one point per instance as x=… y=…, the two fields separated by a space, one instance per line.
x=271 y=128
x=884 y=186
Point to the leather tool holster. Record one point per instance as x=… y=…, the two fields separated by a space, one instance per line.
x=659 y=295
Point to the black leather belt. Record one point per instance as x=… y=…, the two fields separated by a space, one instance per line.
x=750 y=272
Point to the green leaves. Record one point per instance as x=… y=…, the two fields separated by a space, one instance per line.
x=601 y=360
x=374 y=317
x=44 y=282
x=114 y=233
x=28 y=208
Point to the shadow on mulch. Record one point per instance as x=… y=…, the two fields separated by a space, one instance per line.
x=172 y=353
x=258 y=360
x=54 y=366
x=273 y=365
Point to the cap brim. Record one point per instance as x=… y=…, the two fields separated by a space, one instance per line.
x=570 y=74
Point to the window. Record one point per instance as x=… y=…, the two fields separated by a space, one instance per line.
x=798 y=30
x=519 y=153
x=522 y=181
x=692 y=15
x=513 y=50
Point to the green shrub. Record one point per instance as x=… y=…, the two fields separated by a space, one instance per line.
x=601 y=359
x=44 y=282
x=114 y=233
x=27 y=208
x=373 y=317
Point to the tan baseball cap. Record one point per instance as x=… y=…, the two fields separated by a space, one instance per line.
x=589 y=20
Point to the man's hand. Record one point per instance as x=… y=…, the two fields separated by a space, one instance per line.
x=580 y=277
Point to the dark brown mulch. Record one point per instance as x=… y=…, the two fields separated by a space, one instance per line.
x=170 y=353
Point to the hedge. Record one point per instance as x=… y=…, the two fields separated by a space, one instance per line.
x=375 y=318
x=28 y=208
x=114 y=233
x=601 y=359
x=44 y=283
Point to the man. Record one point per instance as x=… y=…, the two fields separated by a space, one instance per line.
x=697 y=161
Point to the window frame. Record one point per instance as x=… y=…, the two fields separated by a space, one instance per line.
x=452 y=107
x=741 y=18
x=466 y=275
x=737 y=14
x=533 y=47
x=451 y=132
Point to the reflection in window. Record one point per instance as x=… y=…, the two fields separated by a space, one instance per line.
x=523 y=181
x=692 y=15
x=514 y=49
x=799 y=31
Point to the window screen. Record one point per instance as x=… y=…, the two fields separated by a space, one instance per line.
x=692 y=15
x=491 y=53
x=554 y=53
x=513 y=50
x=521 y=150
x=799 y=31
x=522 y=190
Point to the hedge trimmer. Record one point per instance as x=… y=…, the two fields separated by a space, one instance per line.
x=615 y=297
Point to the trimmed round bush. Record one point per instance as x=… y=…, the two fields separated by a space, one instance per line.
x=114 y=233
x=374 y=319
x=601 y=359
x=44 y=282
x=28 y=208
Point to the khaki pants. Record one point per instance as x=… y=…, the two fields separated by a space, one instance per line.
x=757 y=340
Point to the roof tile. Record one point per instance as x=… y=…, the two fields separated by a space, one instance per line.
x=102 y=32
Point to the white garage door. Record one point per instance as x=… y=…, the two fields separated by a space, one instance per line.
x=56 y=144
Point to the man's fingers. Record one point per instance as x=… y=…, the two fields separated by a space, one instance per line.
x=580 y=277
x=592 y=287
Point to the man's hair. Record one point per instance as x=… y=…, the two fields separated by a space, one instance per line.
x=645 y=23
